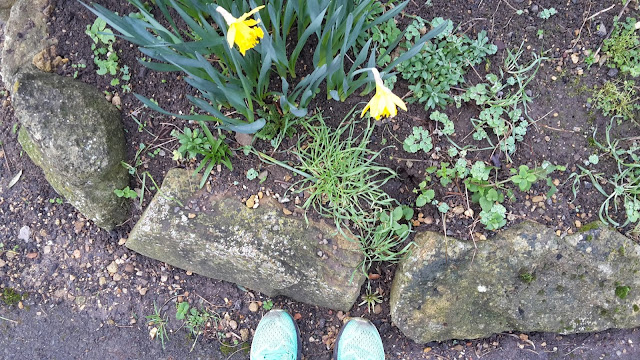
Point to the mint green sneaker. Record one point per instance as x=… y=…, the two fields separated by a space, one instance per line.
x=277 y=338
x=358 y=340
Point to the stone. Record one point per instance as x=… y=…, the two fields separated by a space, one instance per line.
x=25 y=233
x=260 y=249
x=112 y=268
x=5 y=9
x=25 y=36
x=526 y=279
x=77 y=138
x=253 y=307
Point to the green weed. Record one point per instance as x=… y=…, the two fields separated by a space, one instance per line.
x=11 y=297
x=623 y=47
x=126 y=193
x=617 y=98
x=159 y=322
x=547 y=13
x=624 y=185
x=371 y=299
x=440 y=64
x=214 y=151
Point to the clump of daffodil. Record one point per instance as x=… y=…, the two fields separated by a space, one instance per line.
x=242 y=31
x=384 y=102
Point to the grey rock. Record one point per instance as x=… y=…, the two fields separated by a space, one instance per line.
x=5 y=9
x=534 y=8
x=613 y=72
x=76 y=137
x=602 y=30
x=25 y=36
x=261 y=249
x=525 y=279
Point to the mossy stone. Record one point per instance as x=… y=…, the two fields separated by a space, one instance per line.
x=70 y=131
x=570 y=285
x=262 y=249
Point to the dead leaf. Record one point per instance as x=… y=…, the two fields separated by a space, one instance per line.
x=244 y=139
x=15 y=179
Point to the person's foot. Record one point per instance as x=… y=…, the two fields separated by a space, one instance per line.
x=276 y=338
x=358 y=340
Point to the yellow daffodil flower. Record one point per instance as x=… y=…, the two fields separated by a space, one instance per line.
x=242 y=31
x=384 y=102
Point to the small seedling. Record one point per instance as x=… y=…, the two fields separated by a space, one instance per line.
x=252 y=174
x=371 y=299
x=267 y=305
x=56 y=201
x=77 y=66
x=547 y=13
x=126 y=193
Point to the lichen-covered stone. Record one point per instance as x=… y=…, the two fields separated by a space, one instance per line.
x=25 y=35
x=261 y=249
x=76 y=137
x=526 y=279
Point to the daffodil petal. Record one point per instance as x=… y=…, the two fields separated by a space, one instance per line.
x=231 y=35
x=364 y=111
x=246 y=15
x=226 y=15
x=398 y=101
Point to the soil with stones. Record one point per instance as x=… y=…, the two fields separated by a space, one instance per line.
x=84 y=295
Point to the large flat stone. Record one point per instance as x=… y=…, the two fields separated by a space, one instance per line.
x=217 y=236
x=526 y=279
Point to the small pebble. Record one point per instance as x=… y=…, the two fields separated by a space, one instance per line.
x=244 y=334
x=253 y=307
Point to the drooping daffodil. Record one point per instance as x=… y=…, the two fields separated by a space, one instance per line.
x=384 y=102
x=242 y=31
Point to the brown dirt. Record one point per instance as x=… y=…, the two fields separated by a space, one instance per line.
x=71 y=254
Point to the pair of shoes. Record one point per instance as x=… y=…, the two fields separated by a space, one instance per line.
x=278 y=338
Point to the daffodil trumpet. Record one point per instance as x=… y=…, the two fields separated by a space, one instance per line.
x=242 y=31
x=384 y=102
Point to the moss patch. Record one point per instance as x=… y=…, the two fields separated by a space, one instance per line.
x=590 y=226
x=11 y=297
x=622 y=291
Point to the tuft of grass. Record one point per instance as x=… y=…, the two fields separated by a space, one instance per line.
x=345 y=182
x=159 y=322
